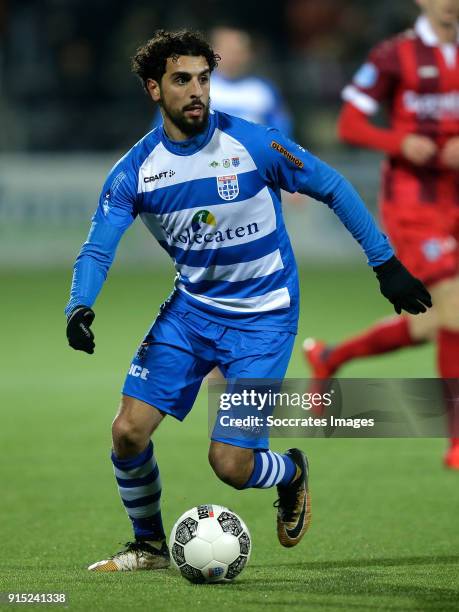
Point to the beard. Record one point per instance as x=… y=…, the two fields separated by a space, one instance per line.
x=188 y=125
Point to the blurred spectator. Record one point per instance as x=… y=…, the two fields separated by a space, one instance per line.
x=236 y=91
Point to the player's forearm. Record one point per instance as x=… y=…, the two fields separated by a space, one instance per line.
x=354 y=127
x=92 y=264
x=327 y=185
x=88 y=279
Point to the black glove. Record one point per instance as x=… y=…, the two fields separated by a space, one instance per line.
x=79 y=334
x=401 y=288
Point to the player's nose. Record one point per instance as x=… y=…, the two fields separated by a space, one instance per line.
x=196 y=89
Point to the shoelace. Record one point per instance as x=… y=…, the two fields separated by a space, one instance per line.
x=134 y=547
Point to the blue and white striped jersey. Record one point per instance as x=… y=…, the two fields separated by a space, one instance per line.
x=213 y=203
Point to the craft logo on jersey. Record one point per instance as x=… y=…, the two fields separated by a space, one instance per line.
x=202 y=217
x=228 y=186
x=159 y=176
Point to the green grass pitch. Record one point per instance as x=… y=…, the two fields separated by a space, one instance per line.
x=384 y=534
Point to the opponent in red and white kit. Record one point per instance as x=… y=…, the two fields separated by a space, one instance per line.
x=415 y=75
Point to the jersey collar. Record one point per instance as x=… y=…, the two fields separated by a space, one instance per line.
x=191 y=145
x=424 y=30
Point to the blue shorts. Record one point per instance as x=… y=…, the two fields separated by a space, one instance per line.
x=181 y=348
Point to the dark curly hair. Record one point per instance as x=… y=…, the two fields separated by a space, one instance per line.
x=149 y=61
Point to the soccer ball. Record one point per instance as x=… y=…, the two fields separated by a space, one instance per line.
x=210 y=543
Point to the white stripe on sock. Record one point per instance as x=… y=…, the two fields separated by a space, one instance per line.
x=144 y=511
x=264 y=468
x=281 y=471
x=129 y=494
x=275 y=471
x=138 y=472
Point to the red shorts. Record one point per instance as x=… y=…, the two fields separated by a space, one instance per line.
x=425 y=238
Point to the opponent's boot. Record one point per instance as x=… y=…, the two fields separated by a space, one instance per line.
x=451 y=458
x=137 y=555
x=315 y=352
x=294 y=503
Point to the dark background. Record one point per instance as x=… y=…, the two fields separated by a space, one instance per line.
x=66 y=85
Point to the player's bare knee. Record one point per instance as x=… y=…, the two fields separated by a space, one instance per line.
x=233 y=468
x=128 y=438
x=133 y=426
x=227 y=470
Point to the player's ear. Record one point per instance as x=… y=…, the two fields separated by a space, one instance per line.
x=153 y=89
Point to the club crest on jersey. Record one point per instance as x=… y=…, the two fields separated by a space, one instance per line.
x=235 y=161
x=228 y=187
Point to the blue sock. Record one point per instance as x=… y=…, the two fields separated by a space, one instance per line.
x=139 y=486
x=270 y=469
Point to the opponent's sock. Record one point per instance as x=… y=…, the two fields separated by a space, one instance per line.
x=387 y=335
x=448 y=365
x=448 y=353
x=270 y=469
x=139 y=486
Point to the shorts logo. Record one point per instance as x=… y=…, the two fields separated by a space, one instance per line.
x=138 y=371
x=142 y=350
x=291 y=158
x=228 y=187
